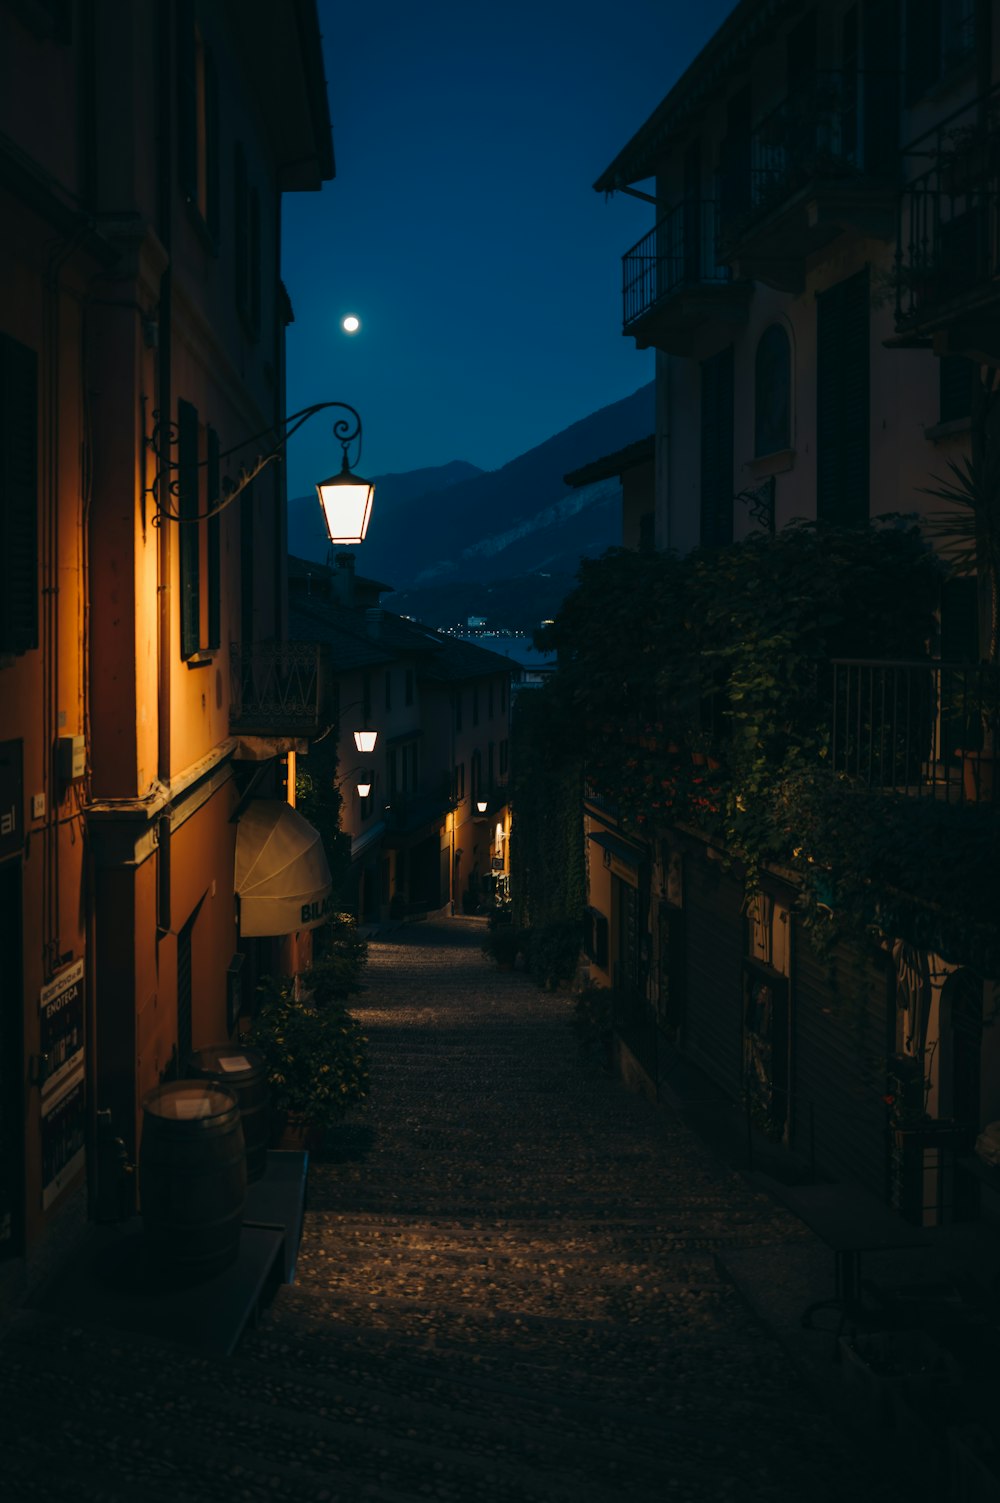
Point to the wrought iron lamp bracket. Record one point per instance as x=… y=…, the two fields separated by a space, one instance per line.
x=167 y=481
x=759 y=501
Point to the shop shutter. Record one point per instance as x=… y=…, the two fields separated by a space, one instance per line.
x=842 y=402
x=717 y=449
x=840 y=1043
x=18 y=496
x=713 y=998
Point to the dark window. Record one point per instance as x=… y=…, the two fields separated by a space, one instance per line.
x=190 y=541
x=503 y=696
x=491 y=705
x=241 y=230
x=366 y=697
x=773 y=392
x=956 y=376
x=504 y=752
x=254 y=261
x=408 y=686
x=940 y=35
x=842 y=404
x=458 y=710
x=475 y=704
x=212 y=540
x=247 y=567
x=490 y=769
x=18 y=496
x=198 y=121
x=717 y=449
x=390 y=770
x=388 y=689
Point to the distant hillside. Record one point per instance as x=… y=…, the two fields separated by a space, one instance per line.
x=306 y=536
x=511 y=522
x=516 y=604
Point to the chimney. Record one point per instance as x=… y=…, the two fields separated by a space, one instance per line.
x=343 y=580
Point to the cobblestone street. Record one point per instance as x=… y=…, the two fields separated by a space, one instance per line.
x=507 y=1290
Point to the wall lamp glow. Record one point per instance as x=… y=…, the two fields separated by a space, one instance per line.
x=346 y=499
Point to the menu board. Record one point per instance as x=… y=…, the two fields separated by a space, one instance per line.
x=63 y=1133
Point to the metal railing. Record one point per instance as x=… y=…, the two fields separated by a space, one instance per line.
x=680 y=251
x=277 y=688
x=948 y=241
x=922 y=728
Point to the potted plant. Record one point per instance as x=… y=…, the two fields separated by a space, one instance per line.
x=501 y=945
x=968 y=533
x=314 y=1050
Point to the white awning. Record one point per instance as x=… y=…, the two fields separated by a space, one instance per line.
x=282 y=875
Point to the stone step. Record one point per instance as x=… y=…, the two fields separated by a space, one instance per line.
x=291 y=1432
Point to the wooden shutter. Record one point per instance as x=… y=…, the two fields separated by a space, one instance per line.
x=842 y=403
x=212 y=529
x=187 y=102
x=923 y=38
x=18 y=496
x=187 y=506
x=717 y=449
x=241 y=232
x=212 y=194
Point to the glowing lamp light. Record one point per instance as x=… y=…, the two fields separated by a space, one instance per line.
x=482 y=805
x=346 y=500
x=364 y=788
x=365 y=740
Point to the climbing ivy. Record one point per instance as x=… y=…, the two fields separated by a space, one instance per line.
x=546 y=847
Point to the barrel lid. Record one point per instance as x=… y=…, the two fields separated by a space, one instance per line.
x=189 y=1100
x=224 y=1060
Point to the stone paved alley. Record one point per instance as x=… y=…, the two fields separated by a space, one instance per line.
x=509 y=1290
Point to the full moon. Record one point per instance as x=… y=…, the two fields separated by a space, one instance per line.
x=351 y=325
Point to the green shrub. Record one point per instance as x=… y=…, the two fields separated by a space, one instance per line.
x=554 y=952
x=592 y=1024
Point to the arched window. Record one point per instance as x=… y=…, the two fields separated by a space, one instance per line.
x=773 y=392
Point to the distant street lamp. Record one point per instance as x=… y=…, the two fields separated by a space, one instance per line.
x=365 y=740
x=482 y=805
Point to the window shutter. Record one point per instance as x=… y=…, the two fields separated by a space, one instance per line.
x=717 y=449
x=213 y=541
x=18 y=496
x=842 y=403
x=187 y=102
x=241 y=232
x=212 y=194
x=190 y=553
x=923 y=56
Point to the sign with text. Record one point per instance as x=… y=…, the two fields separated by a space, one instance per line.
x=62 y=1025
x=11 y=798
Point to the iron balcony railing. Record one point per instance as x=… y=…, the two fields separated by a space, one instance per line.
x=917 y=727
x=948 y=242
x=278 y=688
x=679 y=252
x=834 y=124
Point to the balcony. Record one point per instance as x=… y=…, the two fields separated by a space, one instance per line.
x=919 y=728
x=279 y=690
x=672 y=283
x=947 y=272
x=822 y=162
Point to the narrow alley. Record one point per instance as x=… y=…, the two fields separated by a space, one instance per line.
x=507 y=1289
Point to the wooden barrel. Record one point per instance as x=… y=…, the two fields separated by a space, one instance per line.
x=244 y=1072
x=192 y=1175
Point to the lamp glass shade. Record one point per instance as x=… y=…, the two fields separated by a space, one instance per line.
x=365 y=740
x=482 y=805
x=346 y=500
x=364 y=789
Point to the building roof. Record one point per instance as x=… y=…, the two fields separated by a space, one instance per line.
x=641 y=452
x=751 y=24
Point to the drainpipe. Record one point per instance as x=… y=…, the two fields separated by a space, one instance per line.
x=164 y=396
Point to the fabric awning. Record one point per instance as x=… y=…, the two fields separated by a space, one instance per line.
x=282 y=876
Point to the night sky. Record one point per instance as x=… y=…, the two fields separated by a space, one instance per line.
x=462 y=228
